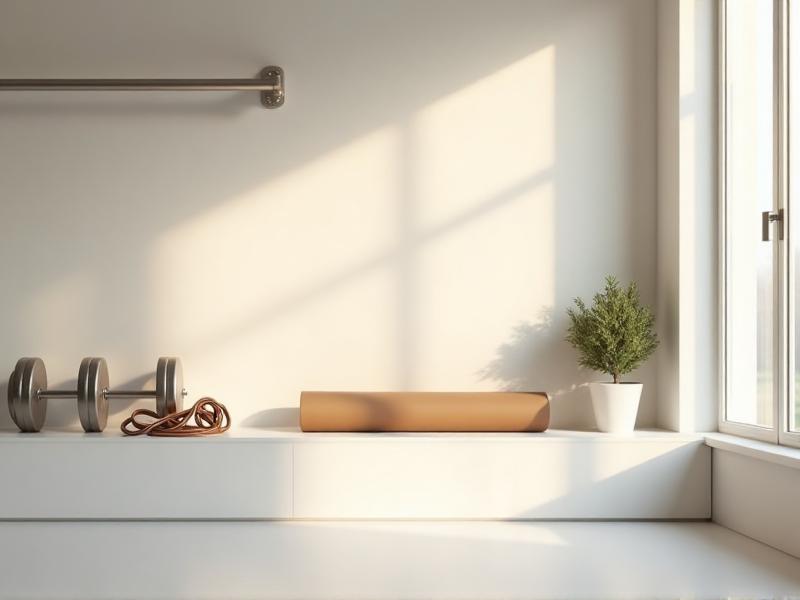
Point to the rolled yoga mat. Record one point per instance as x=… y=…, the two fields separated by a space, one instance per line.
x=424 y=411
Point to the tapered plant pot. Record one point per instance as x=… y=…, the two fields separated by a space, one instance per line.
x=615 y=405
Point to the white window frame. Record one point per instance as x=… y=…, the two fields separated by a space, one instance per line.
x=784 y=391
x=786 y=259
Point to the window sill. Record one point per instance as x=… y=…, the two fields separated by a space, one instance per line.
x=774 y=453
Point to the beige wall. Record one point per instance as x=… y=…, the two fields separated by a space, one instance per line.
x=444 y=178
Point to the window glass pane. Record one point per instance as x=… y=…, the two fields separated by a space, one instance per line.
x=749 y=191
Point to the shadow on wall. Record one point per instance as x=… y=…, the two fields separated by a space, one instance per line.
x=531 y=361
x=431 y=180
x=274 y=418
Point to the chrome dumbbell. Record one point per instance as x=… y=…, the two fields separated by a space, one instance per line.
x=28 y=393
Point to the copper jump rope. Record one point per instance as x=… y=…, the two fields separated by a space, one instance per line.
x=205 y=417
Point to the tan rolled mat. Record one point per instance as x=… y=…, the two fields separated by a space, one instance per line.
x=424 y=411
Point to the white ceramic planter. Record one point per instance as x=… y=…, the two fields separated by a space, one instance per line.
x=615 y=405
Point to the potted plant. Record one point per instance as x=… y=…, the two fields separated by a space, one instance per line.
x=614 y=336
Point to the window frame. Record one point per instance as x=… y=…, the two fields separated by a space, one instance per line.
x=787 y=279
x=784 y=279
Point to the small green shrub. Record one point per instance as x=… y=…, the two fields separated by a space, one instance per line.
x=616 y=334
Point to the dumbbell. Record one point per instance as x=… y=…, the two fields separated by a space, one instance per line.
x=28 y=393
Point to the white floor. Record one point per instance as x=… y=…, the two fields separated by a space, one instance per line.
x=354 y=560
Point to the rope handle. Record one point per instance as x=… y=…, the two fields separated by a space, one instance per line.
x=210 y=417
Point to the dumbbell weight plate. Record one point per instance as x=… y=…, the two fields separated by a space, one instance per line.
x=27 y=410
x=11 y=404
x=92 y=401
x=169 y=386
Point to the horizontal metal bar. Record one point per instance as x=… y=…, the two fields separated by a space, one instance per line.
x=52 y=394
x=139 y=85
x=119 y=394
x=270 y=84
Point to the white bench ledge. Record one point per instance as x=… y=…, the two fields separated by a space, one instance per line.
x=294 y=435
x=287 y=474
x=774 y=453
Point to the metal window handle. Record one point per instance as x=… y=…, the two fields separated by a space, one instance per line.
x=767 y=218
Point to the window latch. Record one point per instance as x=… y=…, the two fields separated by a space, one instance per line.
x=767 y=218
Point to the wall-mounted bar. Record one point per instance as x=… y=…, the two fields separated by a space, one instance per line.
x=269 y=83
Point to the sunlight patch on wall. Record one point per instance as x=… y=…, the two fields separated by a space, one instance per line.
x=485 y=197
x=279 y=245
x=486 y=138
x=454 y=299
x=340 y=340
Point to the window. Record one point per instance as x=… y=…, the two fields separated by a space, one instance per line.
x=759 y=61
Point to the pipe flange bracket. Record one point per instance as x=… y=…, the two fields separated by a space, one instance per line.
x=273 y=98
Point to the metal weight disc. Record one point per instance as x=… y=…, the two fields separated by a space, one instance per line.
x=28 y=410
x=92 y=387
x=169 y=386
x=12 y=382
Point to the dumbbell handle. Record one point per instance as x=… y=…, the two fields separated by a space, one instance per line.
x=72 y=394
x=51 y=394
x=118 y=394
x=109 y=394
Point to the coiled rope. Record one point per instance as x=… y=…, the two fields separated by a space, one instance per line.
x=209 y=416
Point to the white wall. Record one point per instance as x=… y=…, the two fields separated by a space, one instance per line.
x=444 y=178
x=668 y=180
x=687 y=215
x=757 y=498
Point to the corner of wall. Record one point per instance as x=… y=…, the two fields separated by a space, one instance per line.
x=687 y=215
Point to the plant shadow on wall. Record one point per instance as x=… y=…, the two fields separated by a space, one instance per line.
x=533 y=360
